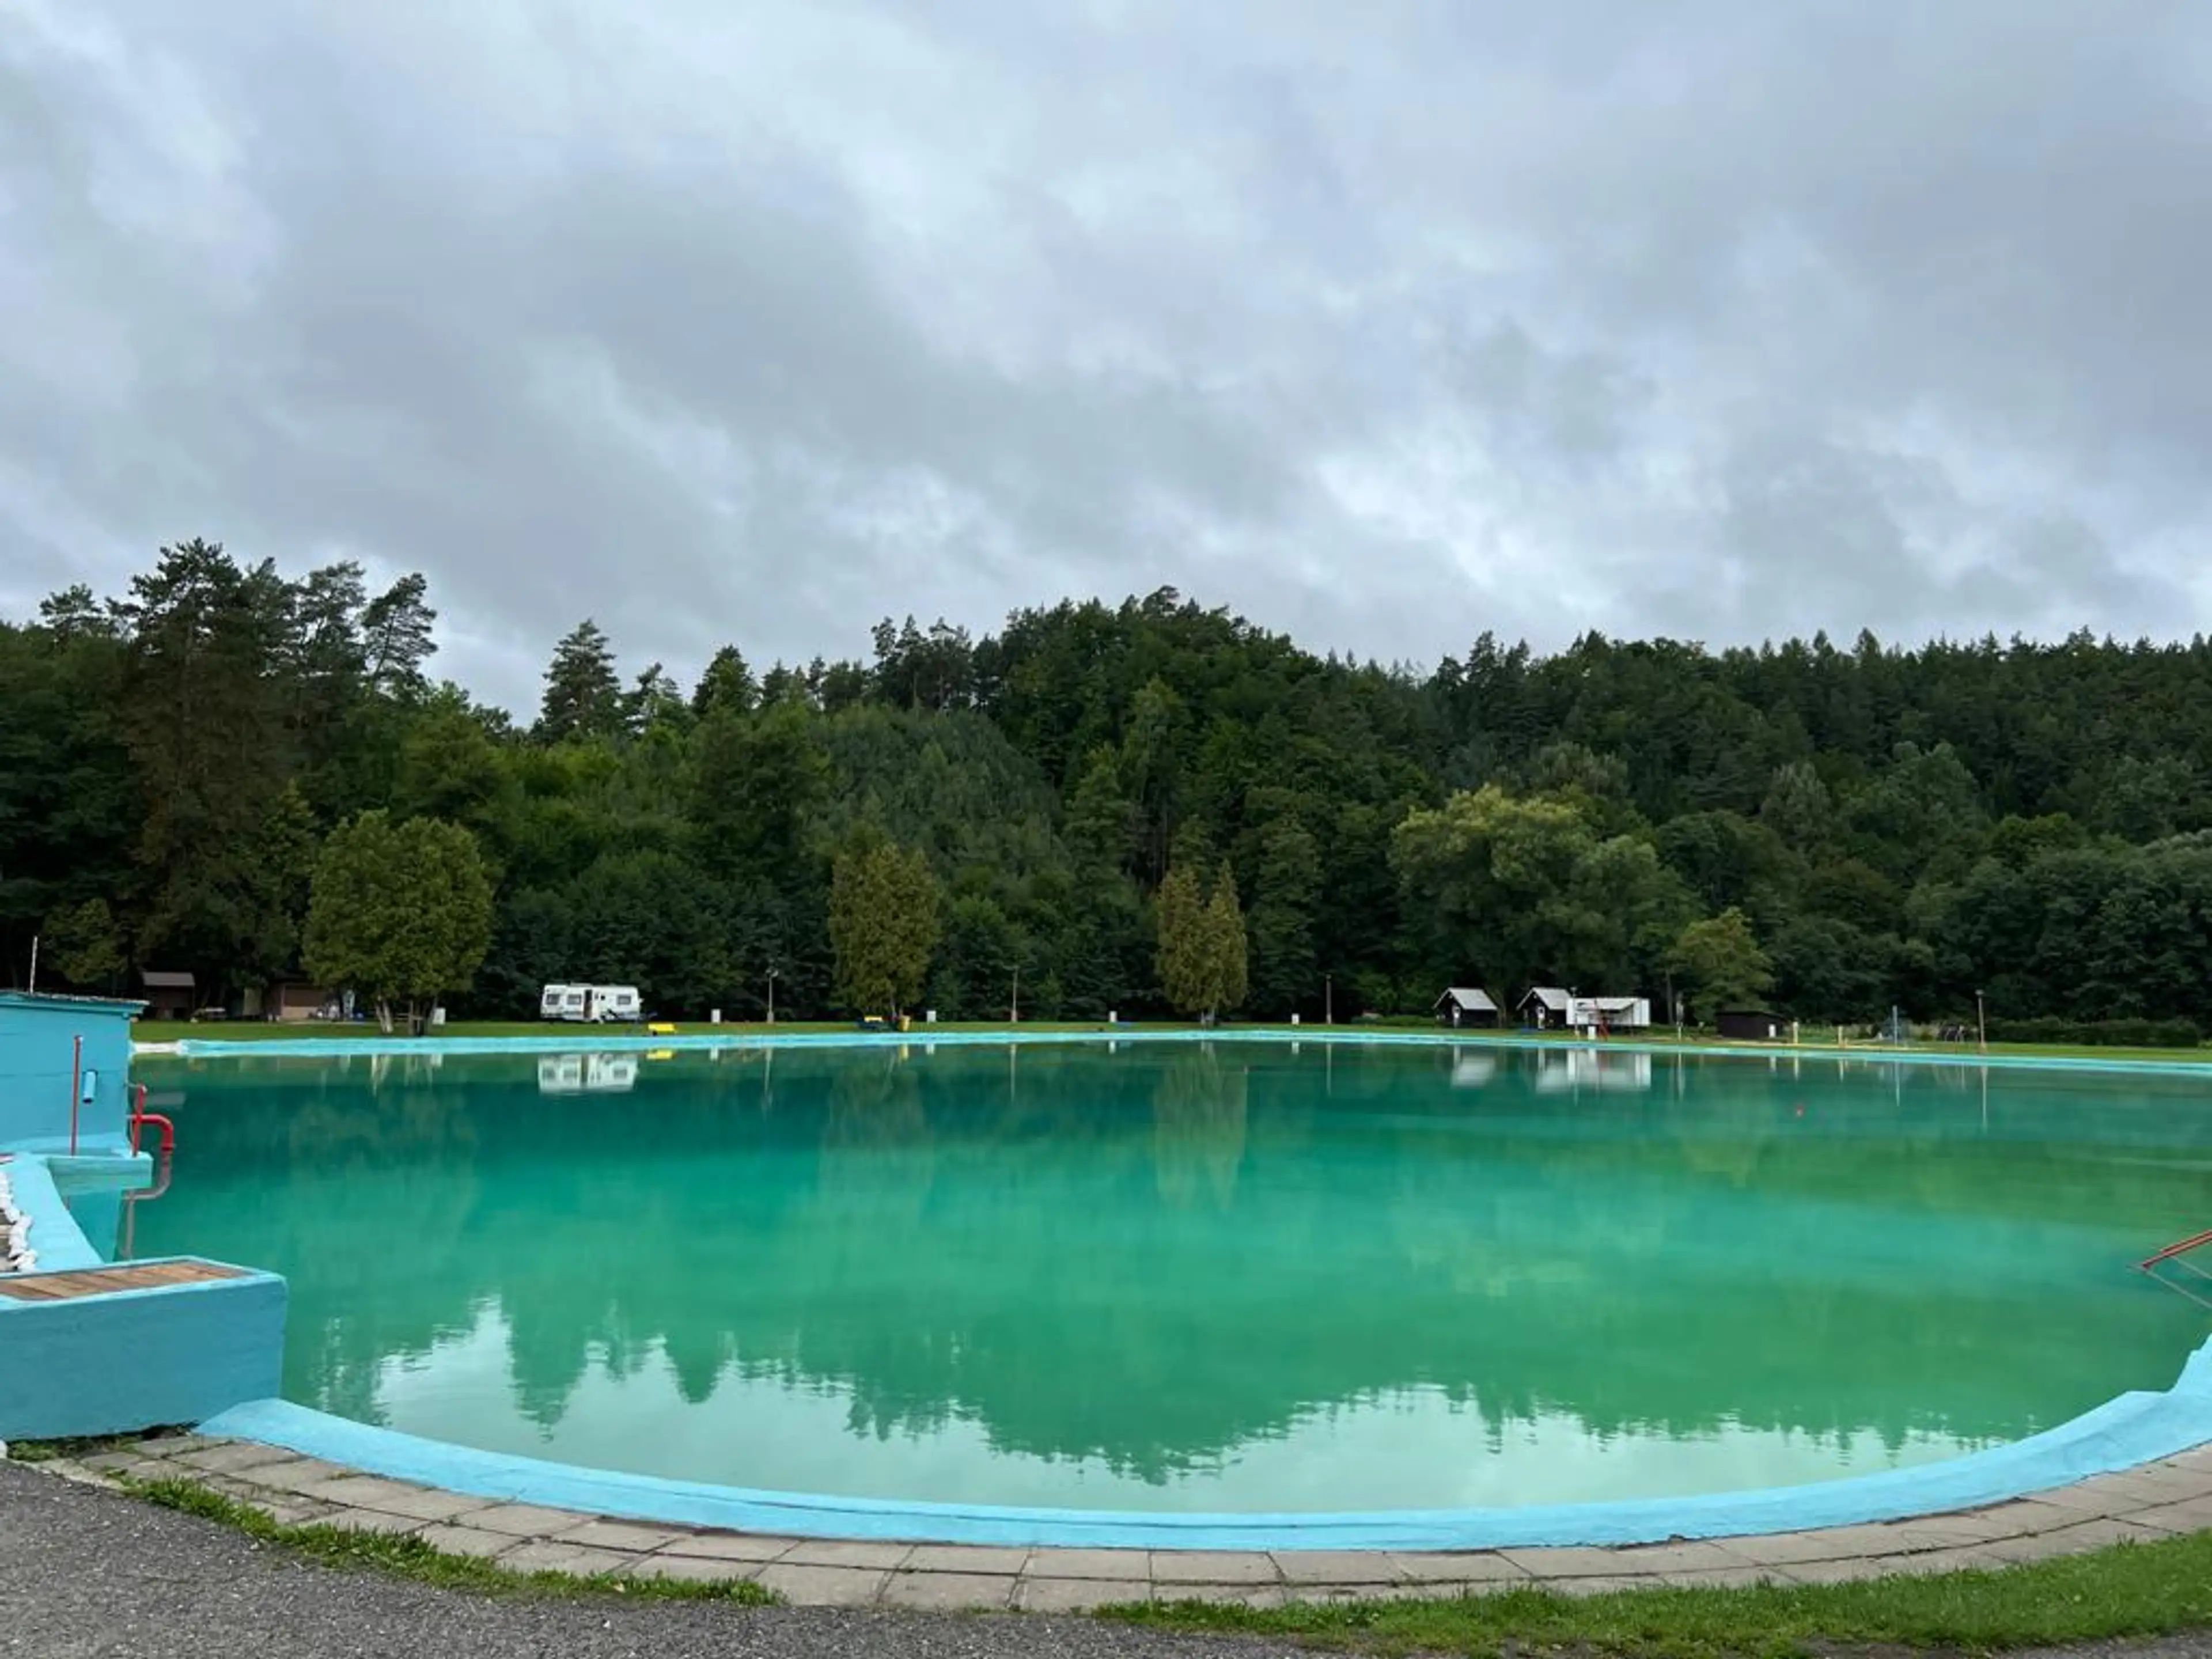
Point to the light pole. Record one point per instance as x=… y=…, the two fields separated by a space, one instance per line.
x=1328 y=998
x=1981 y=1026
x=772 y=972
x=1014 y=1008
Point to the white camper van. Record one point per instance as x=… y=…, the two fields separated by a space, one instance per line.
x=612 y=1004
x=602 y=1005
x=574 y=1074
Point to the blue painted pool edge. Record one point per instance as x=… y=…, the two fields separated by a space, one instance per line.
x=2134 y=1429
x=926 y=1037
x=55 y=1237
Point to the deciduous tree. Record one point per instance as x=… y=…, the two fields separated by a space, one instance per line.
x=398 y=913
x=1721 y=961
x=85 y=944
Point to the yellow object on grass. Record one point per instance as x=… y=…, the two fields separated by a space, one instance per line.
x=660 y=1028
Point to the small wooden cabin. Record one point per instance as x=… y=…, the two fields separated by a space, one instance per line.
x=1464 y=1006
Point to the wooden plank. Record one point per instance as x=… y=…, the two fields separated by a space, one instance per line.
x=101 y=1281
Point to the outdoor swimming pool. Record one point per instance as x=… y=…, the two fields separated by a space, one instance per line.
x=1236 y=1277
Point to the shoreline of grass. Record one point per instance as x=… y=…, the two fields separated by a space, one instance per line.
x=2131 y=1589
x=146 y=1032
x=404 y=1556
x=245 y=1030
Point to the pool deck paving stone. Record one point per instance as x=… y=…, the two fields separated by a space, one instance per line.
x=1077 y=1594
x=823 y=1586
x=541 y=1555
x=632 y=1535
x=695 y=1569
x=755 y=1546
x=523 y=1520
x=1214 y=1567
x=1339 y=1567
x=2157 y=1500
x=369 y=1491
x=1436 y=1567
x=2194 y=1515
x=371 y=1521
x=460 y=1539
x=951 y=1592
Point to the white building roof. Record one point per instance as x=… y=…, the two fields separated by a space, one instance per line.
x=1468 y=997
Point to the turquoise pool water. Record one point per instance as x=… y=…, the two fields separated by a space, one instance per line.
x=1241 y=1277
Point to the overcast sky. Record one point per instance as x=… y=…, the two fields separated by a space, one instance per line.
x=1382 y=324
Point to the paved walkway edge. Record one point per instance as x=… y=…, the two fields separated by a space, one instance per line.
x=2163 y=1499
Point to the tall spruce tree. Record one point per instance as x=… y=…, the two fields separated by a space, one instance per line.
x=583 y=694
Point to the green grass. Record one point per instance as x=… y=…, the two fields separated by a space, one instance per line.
x=1814 y=1043
x=255 y=1030
x=410 y=1558
x=46 y=1451
x=2125 y=1590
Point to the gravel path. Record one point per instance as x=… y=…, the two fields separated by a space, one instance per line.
x=85 y=1572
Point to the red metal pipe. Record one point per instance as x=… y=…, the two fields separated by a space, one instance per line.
x=2179 y=1246
x=77 y=1084
x=168 y=1131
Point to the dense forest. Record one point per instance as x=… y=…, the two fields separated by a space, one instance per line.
x=1837 y=829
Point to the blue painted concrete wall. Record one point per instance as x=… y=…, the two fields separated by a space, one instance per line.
x=35 y=1047
x=92 y=1191
x=59 y=1243
x=137 y=1359
x=122 y=1360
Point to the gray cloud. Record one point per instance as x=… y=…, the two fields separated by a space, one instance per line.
x=1720 y=319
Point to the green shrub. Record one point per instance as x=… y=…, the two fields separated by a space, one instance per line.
x=2098 y=1033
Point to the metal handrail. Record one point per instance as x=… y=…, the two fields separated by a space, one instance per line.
x=2172 y=1255
x=140 y=1116
x=2179 y=1246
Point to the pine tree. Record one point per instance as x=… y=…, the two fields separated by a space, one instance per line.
x=1225 y=951
x=1202 y=954
x=396 y=637
x=583 y=697
x=727 y=687
x=1179 y=917
x=884 y=923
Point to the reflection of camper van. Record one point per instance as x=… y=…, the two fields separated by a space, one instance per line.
x=573 y=1074
x=1610 y=1070
x=594 y=1004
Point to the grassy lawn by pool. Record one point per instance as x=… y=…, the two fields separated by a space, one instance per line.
x=2123 y=1590
x=247 y=1030
x=251 y=1030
